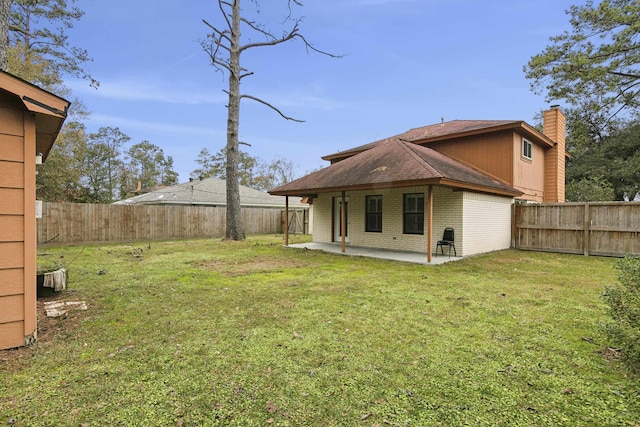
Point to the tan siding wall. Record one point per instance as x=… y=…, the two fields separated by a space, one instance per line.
x=11 y=334
x=11 y=308
x=11 y=117
x=17 y=311
x=30 y=243
x=487 y=223
x=529 y=174
x=11 y=147
x=11 y=281
x=12 y=201
x=12 y=227
x=12 y=175
x=491 y=154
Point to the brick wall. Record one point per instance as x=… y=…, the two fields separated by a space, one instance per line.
x=487 y=223
x=447 y=210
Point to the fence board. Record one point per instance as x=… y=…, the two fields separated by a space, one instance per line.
x=84 y=223
x=603 y=228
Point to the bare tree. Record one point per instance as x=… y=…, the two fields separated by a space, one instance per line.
x=224 y=47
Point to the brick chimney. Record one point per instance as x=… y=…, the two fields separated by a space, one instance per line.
x=554 y=127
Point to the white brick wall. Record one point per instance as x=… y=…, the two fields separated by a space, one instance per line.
x=322 y=218
x=447 y=212
x=482 y=223
x=487 y=223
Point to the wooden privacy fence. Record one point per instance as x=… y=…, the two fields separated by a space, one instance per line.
x=599 y=228
x=83 y=223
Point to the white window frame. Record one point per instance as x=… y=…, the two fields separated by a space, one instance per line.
x=527 y=149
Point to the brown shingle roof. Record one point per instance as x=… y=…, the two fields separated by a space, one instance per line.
x=394 y=163
x=447 y=130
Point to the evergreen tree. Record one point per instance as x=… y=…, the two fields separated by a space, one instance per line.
x=596 y=65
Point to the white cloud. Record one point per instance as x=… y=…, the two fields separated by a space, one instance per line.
x=100 y=120
x=137 y=89
x=379 y=2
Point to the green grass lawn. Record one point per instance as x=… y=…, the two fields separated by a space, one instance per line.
x=204 y=332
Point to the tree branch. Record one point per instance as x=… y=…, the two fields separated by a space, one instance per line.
x=224 y=14
x=620 y=74
x=272 y=107
x=221 y=34
x=257 y=28
x=274 y=41
x=313 y=48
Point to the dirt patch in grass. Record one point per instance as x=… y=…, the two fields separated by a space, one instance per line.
x=254 y=265
x=49 y=329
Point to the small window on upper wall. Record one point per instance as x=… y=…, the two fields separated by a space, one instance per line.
x=526 y=149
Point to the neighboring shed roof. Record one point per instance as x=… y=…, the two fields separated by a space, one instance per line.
x=50 y=110
x=395 y=163
x=448 y=130
x=209 y=191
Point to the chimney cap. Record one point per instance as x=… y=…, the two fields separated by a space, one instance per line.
x=555 y=106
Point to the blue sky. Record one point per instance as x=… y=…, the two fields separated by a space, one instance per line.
x=407 y=63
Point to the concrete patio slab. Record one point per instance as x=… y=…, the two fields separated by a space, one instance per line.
x=412 y=257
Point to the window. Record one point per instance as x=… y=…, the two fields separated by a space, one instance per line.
x=373 y=214
x=413 y=213
x=526 y=149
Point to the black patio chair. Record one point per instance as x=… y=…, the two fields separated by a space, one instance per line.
x=448 y=240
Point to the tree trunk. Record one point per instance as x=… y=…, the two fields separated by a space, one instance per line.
x=4 y=33
x=235 y=228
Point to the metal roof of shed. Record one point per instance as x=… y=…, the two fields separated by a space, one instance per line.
x=210 y=192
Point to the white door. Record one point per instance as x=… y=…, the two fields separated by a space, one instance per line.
x=337 y=222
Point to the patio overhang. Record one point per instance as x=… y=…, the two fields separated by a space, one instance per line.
x=443 y=182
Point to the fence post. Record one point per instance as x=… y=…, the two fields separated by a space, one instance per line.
x=587 y=229
x=513 y=225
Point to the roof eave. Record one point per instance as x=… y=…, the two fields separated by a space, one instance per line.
x=523 y=126
x=481 y=188
x=311 y=192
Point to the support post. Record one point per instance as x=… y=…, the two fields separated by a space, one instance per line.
x=343 y=222
x=286 y=220
x=429 y=223
x=304 y=221
x=587 y=229
x=514 y=228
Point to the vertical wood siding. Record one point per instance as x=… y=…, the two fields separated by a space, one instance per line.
x=607 y=229
x=84 y=223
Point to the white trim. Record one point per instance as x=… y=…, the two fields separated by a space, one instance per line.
x=527 y=146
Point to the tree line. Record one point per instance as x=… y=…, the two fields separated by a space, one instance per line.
x=98 y=168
